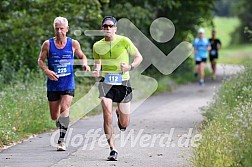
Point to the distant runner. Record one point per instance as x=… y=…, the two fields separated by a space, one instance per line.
x=201 y=47
x=213 y=53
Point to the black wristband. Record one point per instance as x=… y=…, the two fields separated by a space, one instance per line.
x=131 y=67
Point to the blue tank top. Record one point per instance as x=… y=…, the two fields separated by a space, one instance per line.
x=61 y=62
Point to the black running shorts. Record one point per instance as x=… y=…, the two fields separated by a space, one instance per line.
x=118 y=93
x=55 y=95
x=199 y=61
x=213 y=58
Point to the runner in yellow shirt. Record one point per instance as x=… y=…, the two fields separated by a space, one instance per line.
x=112 y=56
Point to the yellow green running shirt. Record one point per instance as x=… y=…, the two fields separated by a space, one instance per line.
x=113 y=53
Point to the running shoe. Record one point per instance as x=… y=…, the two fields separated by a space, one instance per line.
x=61 y=146
x=201 y=82
x=113 y=155
x=213 y=77
x=118 y=122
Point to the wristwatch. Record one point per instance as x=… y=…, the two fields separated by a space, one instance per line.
x=131 y=67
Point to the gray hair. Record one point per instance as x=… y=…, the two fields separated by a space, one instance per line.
x=60 y=19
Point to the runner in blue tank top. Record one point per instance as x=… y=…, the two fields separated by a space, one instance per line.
x=60 y=51
x=201 y=47
x=61 y=62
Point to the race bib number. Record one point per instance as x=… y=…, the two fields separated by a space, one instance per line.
x=113 y=79
x=62 y=70
x=213 y=52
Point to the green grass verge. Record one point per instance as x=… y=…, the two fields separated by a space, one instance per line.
x=23 y=110
x=238 y=54
x=227 y=129
x=227 y=134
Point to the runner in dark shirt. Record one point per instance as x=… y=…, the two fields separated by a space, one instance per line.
x=213 y=53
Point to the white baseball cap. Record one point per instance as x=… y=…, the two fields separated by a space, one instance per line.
x=201 y=30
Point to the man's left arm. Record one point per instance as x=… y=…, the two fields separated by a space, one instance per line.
x=80 y=55
x=134 y=52
x=136 y=62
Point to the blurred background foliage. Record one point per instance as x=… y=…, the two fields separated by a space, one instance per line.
x=24 y=25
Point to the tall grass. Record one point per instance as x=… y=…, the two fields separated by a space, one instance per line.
x=23 y=109
x=227 y=137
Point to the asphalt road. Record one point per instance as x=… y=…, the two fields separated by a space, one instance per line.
x=162 y=132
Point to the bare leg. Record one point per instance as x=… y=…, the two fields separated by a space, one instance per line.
x=54 y=109
x=64 y=120
x=60 y=112
x=107 y=116
x=65 y=105
x=201 y=69
x=197 y=69
x=124 y=114
x=60 y=107
x=214 y=68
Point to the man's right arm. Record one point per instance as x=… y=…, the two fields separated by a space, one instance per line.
x=194 y=46
x=97 y=64
x=41 y=61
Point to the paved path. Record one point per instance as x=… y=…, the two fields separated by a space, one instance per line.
x=161 y=133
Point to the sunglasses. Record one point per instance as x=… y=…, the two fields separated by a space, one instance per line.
x=108 y=25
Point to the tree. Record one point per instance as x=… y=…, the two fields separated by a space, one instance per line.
x=244 y=11
x=225 y=8
x=142 y=14
x=24 y=25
